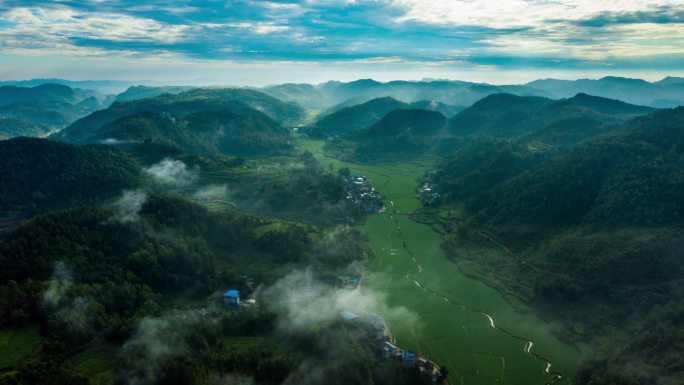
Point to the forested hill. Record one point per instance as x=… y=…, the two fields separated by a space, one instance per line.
x=180 y=105
x=239 y=131
x=42 y=93
x=354 y=118
x=420 y=123
x=47 y=107
x=11 y=128
x=557 y=122
x=39 y=174
x=142 y=92
x=454 y=92
x=400 y=134
x=666 y=93
x=592 y=235
x=632 y=178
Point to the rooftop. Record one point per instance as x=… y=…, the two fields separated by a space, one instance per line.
x=348 y=316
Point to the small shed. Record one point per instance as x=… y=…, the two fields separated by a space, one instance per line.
x=389 y=350
x=231 y=298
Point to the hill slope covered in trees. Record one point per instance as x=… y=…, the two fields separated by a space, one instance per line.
x=39 y=174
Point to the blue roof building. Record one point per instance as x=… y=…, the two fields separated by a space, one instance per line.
x=408 y=357
x=232 y=298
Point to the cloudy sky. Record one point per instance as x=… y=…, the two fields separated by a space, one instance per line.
x=257 y=42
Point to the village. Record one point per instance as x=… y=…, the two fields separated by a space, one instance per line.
x=428 y=195
x=370 y=329
x=361 y=193
x=373 y=331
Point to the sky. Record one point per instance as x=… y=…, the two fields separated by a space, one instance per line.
x=257 y=42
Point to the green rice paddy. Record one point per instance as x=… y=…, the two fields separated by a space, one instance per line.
x=451 y=322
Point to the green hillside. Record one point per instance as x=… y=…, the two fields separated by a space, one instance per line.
x=241 y=131
x=10 y=128
x=186 y=103
x=39 y=174
x=52 y=106
x=592 y=235
x=626 y=179
x=354 y=118
x=562 y=122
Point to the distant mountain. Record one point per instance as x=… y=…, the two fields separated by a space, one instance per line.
x=431 y=105
x=457 y=93
x=186 y=103
x=668 y=92
x=555 y=122
x=53 y=116
x=305 y=95
x=510 y=135
x=10 y=128
x=671 y=80
x=401 y=133
x=347 y=103
x=241 y=131
x=39 y=174
x=103 y=86
x=354 y=118
x=498 y=114
x=142 y=92
x=415 y=122
x=547 y=125
x=605 y=105
x=51 y=106
x=41 y=93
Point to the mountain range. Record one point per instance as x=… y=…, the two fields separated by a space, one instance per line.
x=45 y=108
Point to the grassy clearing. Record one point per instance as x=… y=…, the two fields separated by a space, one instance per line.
x=18 y=343
x=463 y=340
x=278 y=225
x=97 y=362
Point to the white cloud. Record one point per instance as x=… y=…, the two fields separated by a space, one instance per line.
x=59 y=28
x=515 y=13
x=172 y=173
x=128 y=206
x=624 y=41
x=261 y=28
x=553 y=28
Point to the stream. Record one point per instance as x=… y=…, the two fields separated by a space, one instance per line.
x=556 y=376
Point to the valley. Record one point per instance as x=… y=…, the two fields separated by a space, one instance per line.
x=446 y=320
x=518 y=240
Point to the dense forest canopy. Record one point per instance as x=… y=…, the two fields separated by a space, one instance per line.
x=39 y=174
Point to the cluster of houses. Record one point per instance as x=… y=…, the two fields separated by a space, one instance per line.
x=361 y=192
x=428 y=194
x=376 y=333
